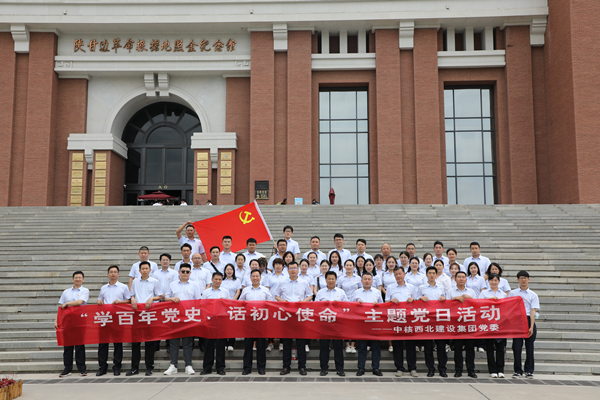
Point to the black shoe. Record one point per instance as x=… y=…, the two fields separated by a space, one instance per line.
x=360 y=372
x=221 y=372
x=302 y=371
x=148 y=372
x=443 y=374
x=285 y=371
x=101 y=372
x=377 y=372
x=117 y=372
x=457 y=374
x=430 y=374
x=260 y=372
x=248 y=371
x=201 y=348
x=472 y=374
x=205 y=372
x=323 y=372
x=132 y=371
x=341 y=373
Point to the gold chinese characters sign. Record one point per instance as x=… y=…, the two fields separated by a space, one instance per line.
x=154 y=45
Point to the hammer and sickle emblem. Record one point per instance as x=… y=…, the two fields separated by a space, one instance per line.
x=246 y=220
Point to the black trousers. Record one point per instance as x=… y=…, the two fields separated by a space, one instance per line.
x=411 y=354
x=338 y=354
x=209 y=354
x=493 y=346
x=136 y=354
x=441 y=355
x=458 y=356
x=517 y=347
x=103 y=356
x=261 y=353
x=287 y=352
x=361 y=349
x=79 y=358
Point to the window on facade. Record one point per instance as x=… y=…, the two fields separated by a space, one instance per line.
x=470 y=156
x=344 y=145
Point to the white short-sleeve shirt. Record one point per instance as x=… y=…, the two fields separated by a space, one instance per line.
x=335 y=294
x=212 y=293
x=290 y=290
x=185 y=291
x=135 y=269
x=253 y=294
x=197 y=246
x=145 y=289
x=367 y=296
x=166 y=278
x=202 y=276
x=344 y=255
x=349 y=285
x=293 y=247
x=110 y=293
x=72 y=294
x=233 y=285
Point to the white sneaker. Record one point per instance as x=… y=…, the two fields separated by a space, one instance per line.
x=414 y=373
x=189 y=370
x=280 y=346
x=353 y=350
x=348 y=349
x=391 y=349
x=481 y=350
x=421 y=349
x=254 y=349
x=448 y=348
x=368 y=348
x=500 y=375
x=399 y=373
x=306 y=348
x=270 y=347
x=494 y=375
x=171 y=371
x=229 y=348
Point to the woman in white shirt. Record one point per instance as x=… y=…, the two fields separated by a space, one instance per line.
x=404 y=257
x=335 y=262
x=349 y=282
x=370 y=268
x=388 y=277
x=414 y=276
x=234 y=286
x=360 y=265
x=475 y=281
x=494 y=347
x=495 y=268
x=454 y=268
x=442 y=279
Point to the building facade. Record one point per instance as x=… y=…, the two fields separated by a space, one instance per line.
x=408 y=101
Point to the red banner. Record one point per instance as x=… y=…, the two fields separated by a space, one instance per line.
x=211 y=319
x=241 y=224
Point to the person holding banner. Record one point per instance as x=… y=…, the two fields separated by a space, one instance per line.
x=331 y=293
x=368 y=294
x=181 y=290
x=254 y=293
x=196 y=244
x=144 y=289
x=144 y=255
x=461 y=293
x=215 y=292
x=114 y=292
x=75 y=296
x=293 y=289
x=432 y=291
x=532 y=304
x=497 y=346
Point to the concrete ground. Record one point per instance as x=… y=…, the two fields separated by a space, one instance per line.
x=49 y=387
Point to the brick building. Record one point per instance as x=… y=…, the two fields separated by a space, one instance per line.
x=408 y=101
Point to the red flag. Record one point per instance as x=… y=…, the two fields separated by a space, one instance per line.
x=241 y=224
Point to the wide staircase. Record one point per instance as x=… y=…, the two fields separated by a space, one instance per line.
x=558 y=244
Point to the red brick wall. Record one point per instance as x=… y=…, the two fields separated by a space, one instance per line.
x=262 y=110
x=116 y=179
x=8 y=62
x=539 y=120
x=427 y=123
x=299 y=143
x=238 y=121
x=519 y=96
x=19 y=129
x=280 y=190
x=389 y=122
x=72 y=116
x=40 y=131
x=408 y=159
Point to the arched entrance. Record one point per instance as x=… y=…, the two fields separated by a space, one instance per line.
x=159 y=156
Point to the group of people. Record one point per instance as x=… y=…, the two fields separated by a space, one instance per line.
x=338 y=275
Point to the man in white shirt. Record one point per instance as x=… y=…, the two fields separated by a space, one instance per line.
x=144 y=290
x=227 y=256
x=251 y=254
x=144 y=255
x=186 y=256
x=476 y=256
x=215 y=292
x=338 y=240
x=196 y=244
x=368 y=294
x=165 y=275
x=292 y=245
x=216 y=263
x=331 y=293
x=114 y=292
x=181 y=290
x=462 y=293
x=254 y=293
x=361 y=246
x=281 y=249
x=386 y=251
x=532 y=305
x=396 y=293
x=293 y=289
x=75 y=296
x=315 y=243
x=438 y=254
x=200 y=275
x=411 y=249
